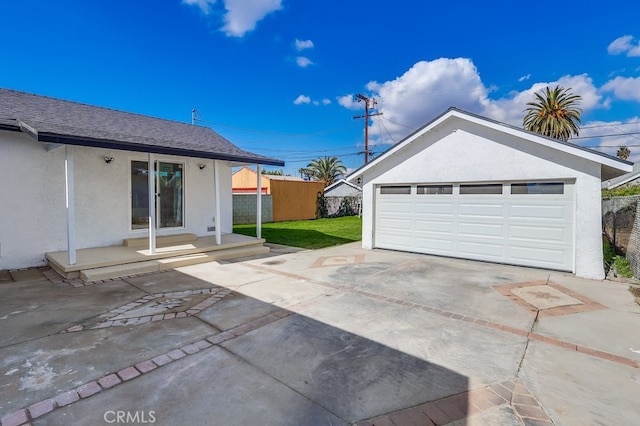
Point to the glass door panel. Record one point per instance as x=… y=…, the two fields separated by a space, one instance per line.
x=169 y=195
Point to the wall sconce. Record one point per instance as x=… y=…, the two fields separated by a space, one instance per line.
x=202 y=166
x=108 y=159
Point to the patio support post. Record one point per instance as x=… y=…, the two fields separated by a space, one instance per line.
x=259 y=202
x=216 y=186
x=151 y=182
x=70 y=204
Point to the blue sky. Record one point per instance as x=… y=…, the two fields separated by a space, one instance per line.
x=278 y=77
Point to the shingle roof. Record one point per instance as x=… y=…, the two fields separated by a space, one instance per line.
x=64 y=122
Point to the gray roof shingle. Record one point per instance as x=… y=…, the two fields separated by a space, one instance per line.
x=59 y=121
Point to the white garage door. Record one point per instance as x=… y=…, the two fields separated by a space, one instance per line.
x=520 y=223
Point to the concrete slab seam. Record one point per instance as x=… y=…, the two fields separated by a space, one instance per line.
x=629 y=362
x=24 y=415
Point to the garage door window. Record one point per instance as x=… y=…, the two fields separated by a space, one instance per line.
x=395 y=189
x=547 y=188
x=492 y=188
x=435 y=189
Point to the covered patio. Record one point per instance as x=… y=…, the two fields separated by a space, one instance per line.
x=133 y=257
x=111 y=193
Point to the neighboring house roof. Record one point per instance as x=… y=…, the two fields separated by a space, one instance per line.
x=58 y=121
x=624 y=179
x=278 y=177
x=610 y=166
x=341 y=182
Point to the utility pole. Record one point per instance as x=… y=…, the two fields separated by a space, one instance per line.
x=369 y=103
x=194 y=116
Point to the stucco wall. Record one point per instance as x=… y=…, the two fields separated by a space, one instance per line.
x=294 y=200
x=32 y=198
x=459 y=151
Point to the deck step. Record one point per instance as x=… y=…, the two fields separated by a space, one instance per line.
x=116 y=271
x=161 y=240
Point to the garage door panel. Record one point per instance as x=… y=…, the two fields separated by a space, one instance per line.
x=475 y=229
x=539 y=233
x=439 y=226
x=434 y=208
x=540 y=211
x=395 y=207
x=523 y=229
x=481 y=210
x=395 y=223
x=434 y=245
x=548 y=257
x=482 y=250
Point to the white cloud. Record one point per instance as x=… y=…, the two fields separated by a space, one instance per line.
x=303 y=44
x=524 y=77
x=204 y=5
x=627 y=89
x=241 y=16
x=348 y=101
x=302 y=99
x=303 y=62
x=428 y=88
x=624 y=44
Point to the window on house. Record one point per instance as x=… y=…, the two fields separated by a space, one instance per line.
x=435 y=189
x=474 y=189
x=537 y=188
x=397 y=189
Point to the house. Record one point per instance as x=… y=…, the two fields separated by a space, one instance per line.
x=293 y=198
x=469 y=187
x=628 y=179
x=343 y=196
x=79 y=176
x=342 y=188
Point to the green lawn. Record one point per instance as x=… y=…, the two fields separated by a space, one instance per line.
x=309 y=234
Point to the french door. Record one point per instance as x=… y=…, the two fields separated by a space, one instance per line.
x=169 y=194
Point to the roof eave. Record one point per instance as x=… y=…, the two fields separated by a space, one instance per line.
x=608 y=162
x=152 y=149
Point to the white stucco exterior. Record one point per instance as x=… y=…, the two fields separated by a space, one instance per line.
x=342 y=189
x=461 y=149
x=32 y=198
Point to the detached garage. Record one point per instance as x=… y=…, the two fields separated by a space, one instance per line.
x=469 y=187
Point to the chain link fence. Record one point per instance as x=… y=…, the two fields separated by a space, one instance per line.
x=621 y=228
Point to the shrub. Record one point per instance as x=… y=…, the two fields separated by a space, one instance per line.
x=622 y=267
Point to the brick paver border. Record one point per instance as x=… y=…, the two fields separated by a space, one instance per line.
x=586 y=306
x=111 y=380
x=217 y=293
x=456 y=316
x=457 y=407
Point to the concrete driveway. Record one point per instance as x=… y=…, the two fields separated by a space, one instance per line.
x=327 y=337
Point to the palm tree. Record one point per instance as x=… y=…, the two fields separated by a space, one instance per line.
x=623 y=152
x=555 y=113
x=327 y=169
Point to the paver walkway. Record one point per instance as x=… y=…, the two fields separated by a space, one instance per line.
x=335 y=336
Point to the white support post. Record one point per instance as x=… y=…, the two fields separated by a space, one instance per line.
x=70 y=204
x=151 y=184
x=259 y=203
x=216 y=187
